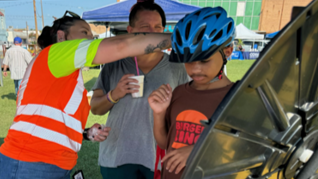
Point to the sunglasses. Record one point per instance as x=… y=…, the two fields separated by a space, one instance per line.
x=73 y=15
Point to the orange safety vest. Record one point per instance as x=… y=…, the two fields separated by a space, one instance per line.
x=50 y=118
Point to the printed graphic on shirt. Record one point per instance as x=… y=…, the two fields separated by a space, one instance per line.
x=188 y=128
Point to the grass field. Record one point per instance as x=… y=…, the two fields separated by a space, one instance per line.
x=88 y=155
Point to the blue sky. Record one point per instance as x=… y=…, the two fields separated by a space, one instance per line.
x=18 y=12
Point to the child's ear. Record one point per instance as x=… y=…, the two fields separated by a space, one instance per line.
x=60 y=36
x=231 y=49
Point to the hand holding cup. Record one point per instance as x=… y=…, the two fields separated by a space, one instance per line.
x=124 y=86
x=140 y=83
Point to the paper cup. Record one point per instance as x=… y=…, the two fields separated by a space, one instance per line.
x=140 y=79
x=89 y=96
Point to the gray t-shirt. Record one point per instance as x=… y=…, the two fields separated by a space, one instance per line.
x=131 y=140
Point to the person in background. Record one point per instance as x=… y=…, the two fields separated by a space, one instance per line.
x=52 y=105
x=240 y=48
x=130 y=149
x=17 y=59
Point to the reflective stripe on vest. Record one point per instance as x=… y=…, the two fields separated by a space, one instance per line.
x=77 y=96
x=25 y=81
x=46 y=134
x=52 y=113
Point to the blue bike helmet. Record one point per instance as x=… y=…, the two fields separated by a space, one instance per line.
x=200 y=34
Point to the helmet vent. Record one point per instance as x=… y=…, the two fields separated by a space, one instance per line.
x=229 y=27
x=219 y=35
x=178 y=37
x=199 y=35
x=212 y=33
x=187 y=33
x=214 y=14
x=197 y=13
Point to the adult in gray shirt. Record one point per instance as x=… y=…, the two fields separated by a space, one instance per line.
x=130 y=149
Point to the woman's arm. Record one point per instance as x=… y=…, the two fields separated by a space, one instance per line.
x=129 y=45
x=66 y=57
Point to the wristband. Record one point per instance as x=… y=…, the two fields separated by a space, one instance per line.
x=85 y=134
x=107 y=95
x=110 y=99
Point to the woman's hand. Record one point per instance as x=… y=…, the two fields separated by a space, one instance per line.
x=98 y=133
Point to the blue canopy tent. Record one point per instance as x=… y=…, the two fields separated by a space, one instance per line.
x=116 y=15
x=271 y=35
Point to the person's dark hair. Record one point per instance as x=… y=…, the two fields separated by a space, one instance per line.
x=142 y=6
x=49 y=34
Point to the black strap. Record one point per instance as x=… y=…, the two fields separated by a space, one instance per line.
x=85 y=134
x=224 y=62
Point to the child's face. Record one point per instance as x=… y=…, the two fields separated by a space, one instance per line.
x=202 y=72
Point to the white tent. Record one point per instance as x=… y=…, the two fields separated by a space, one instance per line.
x=243 y=32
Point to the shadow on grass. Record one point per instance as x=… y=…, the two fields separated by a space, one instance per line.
x=89 y=84
x=9 y=96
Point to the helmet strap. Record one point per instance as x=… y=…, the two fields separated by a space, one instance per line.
x=214 y=79
x=219 y=76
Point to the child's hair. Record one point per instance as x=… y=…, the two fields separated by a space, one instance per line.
x=146 y=5
x=49 y=34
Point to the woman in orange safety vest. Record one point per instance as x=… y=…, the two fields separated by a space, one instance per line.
x=52 y=107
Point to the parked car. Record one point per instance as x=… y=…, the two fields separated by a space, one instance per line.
x=267 y=125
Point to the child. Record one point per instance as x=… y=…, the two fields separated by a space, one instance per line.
x=198 y=41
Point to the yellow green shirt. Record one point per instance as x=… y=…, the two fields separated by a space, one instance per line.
x=68 y=56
